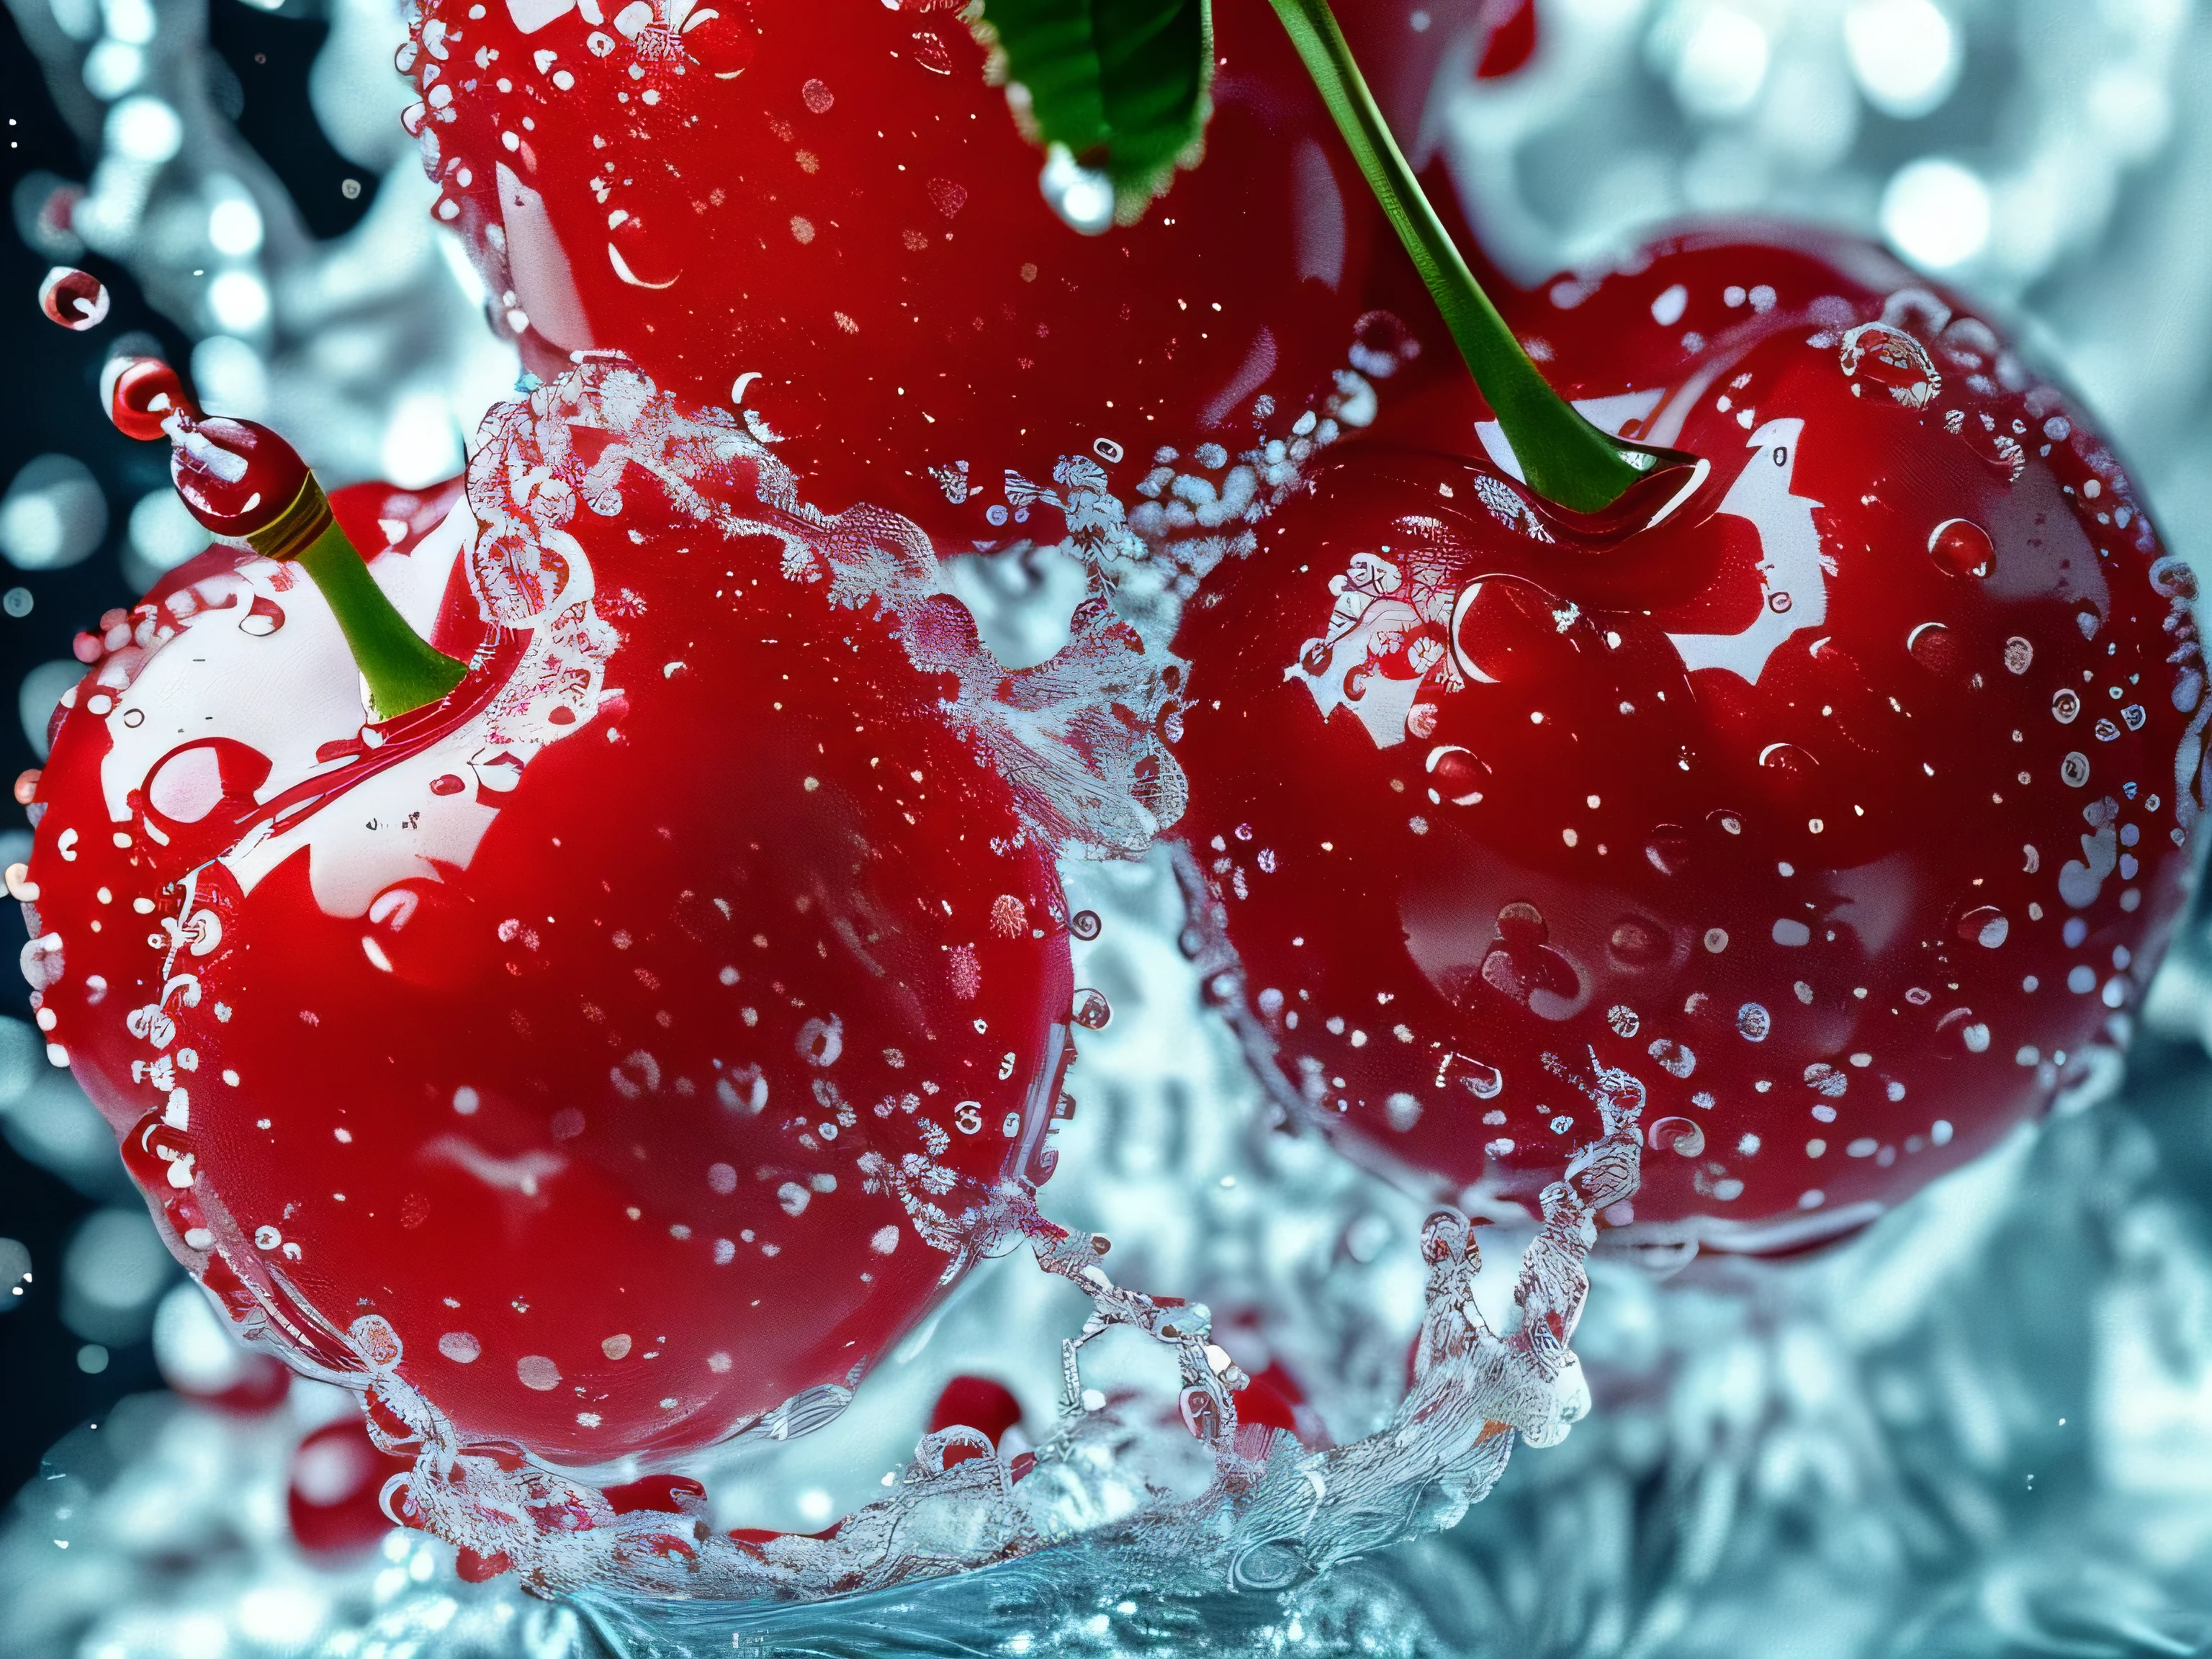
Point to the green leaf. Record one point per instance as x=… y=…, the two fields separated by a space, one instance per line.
x=1117 y=91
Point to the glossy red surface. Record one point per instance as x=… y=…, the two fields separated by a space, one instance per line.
x=141 y=393
x=587 y=1032
x=824 y=204
x=235 y=476
x=1844 y=808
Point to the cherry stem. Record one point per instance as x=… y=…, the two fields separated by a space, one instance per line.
x=1563 y=458
x=404 y=672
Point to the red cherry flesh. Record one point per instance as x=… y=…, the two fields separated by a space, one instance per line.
x=1844 y=807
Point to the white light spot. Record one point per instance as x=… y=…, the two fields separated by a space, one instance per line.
x=1936 y=213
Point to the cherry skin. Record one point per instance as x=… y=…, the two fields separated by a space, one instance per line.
x=822 y=209
x=1844 y=807
x=619 y=1043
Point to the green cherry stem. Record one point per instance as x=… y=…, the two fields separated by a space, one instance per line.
x=404 y=670
x=1565 y=458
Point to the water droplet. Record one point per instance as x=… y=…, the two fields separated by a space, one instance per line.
x=2073 y=770
x=1677 y=1135
x=1669 y=849
x=817 y=97
x=2017 y=655
x=1753 y=1023
x=1091 y=1011
x=2065 y=707
x=1636 y=943
x=1458 y=777
x=1985 y=925
x=1083 y=924
x=1892 y=359
x=1961 y=547
x=75 y=299
x=535 y=1370
x=1827 y=1080
x=264 y=619
x=1937 y=649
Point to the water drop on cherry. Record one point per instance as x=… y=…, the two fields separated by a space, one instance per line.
x=1961 y=547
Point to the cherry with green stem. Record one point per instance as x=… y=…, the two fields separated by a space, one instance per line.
x=245 y=483
x=1567 y=460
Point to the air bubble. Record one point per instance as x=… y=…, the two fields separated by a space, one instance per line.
x=1677 y=1135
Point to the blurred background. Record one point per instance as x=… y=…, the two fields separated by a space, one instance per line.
x=1840 y=1458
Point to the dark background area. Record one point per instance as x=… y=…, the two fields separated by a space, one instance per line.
x=54 y=407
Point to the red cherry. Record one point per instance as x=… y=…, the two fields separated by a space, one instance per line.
x=978 y=1403
x=334 y=1496
x=822 y=211
x=642 y=1083
x=141 y=394
x=1852 y=854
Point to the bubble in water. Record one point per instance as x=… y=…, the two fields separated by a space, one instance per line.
x=2073 y=770
x=1753 y=1023
x=2065 y=707
x=75 y=299
x=1083 y=924
x=817 y=97
x=1091 y=1011
x=2018 y=654
x=1961 y=547
x=1677 y=1135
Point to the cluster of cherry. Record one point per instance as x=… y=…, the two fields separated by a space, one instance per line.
x=634 y=1022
